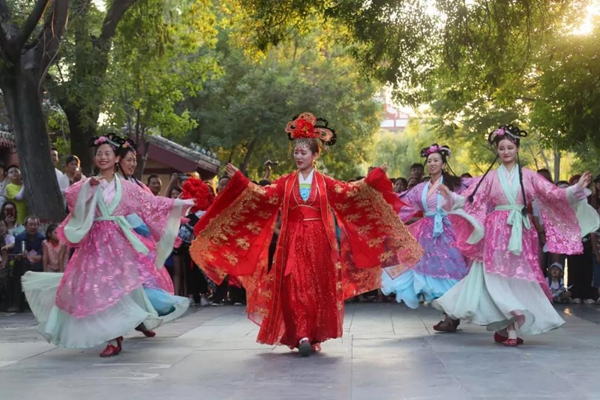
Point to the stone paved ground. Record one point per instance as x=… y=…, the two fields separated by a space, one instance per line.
x=388 y=352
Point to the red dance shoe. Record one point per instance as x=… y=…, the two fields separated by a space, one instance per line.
x=511 y=342
x=498 y=338
x=146 y=332
x=112 y=350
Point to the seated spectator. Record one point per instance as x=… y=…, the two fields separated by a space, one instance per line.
x=8 y=214
x=560 y=294
x=54 y=252
x=15 y=193
x=27 y=256
x=400 y=185
x=3 y=182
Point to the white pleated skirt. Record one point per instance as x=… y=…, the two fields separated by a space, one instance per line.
x=496 y=302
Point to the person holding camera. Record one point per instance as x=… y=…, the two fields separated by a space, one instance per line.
x=72 y=173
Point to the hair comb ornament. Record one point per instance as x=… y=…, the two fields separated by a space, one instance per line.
x=129 y=144
x=307 y=127
x=512 y=132
x=111 y=139
x=436 y=148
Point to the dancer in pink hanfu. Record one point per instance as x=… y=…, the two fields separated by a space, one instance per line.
x=103 y=293
x=442 y=265
x=505 y=289
x=154 y=277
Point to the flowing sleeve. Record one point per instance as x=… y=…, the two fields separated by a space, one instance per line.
x=81 y=199
x=566 y=214
x=411 y=208
x=161 y=215
x=373 y=236
x=233 y=233
x=469 y=229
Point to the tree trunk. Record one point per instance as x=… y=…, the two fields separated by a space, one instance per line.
x=244 y=167
x=141 y=166
x=24 y=105
x=80 y=135
x=556 y=165
x=91 y=64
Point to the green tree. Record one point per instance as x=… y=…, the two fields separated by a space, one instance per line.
x=242 y=114
x=151 y=73
x=30 y=37
x=77 y=80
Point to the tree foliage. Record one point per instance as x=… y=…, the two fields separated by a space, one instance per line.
x=243 y=112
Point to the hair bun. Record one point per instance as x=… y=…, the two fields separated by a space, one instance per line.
x=436 y=148
x=308 y=127
x=111 y=139
x=503 y=131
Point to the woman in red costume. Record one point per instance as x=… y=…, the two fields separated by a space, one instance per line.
x=300 y=301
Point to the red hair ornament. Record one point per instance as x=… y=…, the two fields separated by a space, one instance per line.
x=194 y=188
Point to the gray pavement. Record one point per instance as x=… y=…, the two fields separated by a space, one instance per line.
x=388 y=352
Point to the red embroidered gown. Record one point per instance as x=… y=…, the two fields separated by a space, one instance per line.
x=303 y=294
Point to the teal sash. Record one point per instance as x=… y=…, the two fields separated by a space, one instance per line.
x=516 y=218
x=439 y=215
x=83 y=216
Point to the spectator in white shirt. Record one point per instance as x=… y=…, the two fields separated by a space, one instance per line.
x=54 y=157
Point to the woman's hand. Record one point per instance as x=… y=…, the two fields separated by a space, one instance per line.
x=95 y=181
x=77 y=176
x=189 y=202
x=444 y=191
x=175 y=178
x=231 y=170
x=384 y=167
x=585 y=180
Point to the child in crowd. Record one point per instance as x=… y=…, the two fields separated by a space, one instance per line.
x=560 y=294
x=55 y=252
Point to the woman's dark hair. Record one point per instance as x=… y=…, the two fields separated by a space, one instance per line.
x=514 y=134
x=177 y=188
x=3 y=210
x=70 y=158
x=128 y=146
x=403 y=180
x=51 y=228
x=466 y=175
x=153 y=176
x=112 y=139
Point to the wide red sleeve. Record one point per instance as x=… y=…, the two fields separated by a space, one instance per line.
x=231 y=235
x=372 y=234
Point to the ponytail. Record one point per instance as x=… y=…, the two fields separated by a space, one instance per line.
x=524 y=211
x=452 y=181
x=472 y=196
